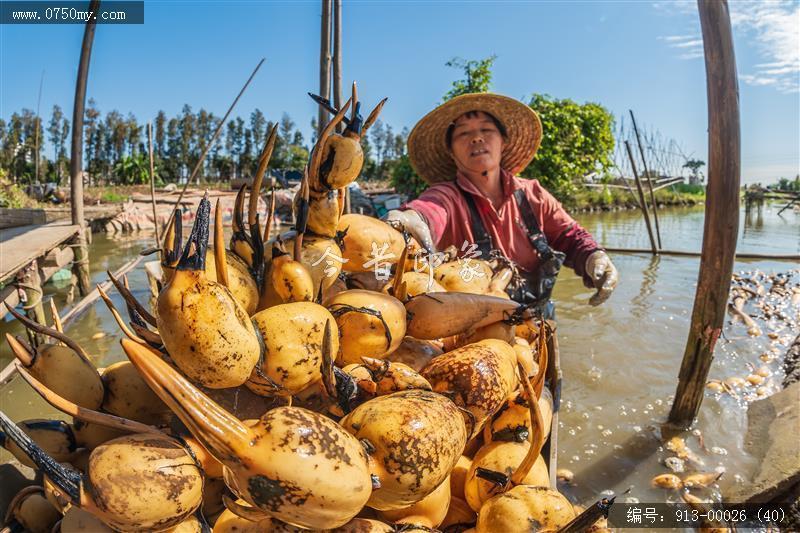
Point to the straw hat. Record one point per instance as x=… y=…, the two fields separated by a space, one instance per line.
x=427 y=145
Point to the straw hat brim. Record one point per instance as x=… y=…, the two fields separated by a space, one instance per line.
x=427 y=145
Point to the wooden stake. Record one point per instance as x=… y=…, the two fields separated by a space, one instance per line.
x=30 y=281
x=649 y=178
x=324 y=64
x=642 y=202
x=722 y=211
x=81 y=265
x=337 y=58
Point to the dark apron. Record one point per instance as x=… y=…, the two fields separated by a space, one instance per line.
x=533 y=289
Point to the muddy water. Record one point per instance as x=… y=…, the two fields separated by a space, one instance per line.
x=620 y=361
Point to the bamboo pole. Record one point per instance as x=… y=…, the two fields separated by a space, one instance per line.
x=324 y=64
x=642 y=202
x=722 y=211
x=337 y=58
x=337 y=77
x=81 y=265
x=152 y=181
x=649 y=178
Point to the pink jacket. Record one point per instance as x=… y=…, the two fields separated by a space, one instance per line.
x=446 y=212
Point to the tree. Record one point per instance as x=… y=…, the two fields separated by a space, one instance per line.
x=405 y=180
x=205 y=124
x=134 y=134
x=133 y=170
x=258 y=125
x=577 y=139
x=159 y=127
x=694 y=166
x=174 y=166
x=58 y=128
x=187 y=129
x=785 y=184
x=477 y=76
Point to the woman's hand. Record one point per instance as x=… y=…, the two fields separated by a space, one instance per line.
x=604 y=276
x=410 y=221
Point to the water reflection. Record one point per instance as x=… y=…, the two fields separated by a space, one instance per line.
x=642 y=302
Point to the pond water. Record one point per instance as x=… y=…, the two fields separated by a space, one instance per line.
x=620 y=361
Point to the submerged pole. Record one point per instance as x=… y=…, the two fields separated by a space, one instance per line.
x=80 y=267
x=642 y=201
x=649 y=177
x=722 y=211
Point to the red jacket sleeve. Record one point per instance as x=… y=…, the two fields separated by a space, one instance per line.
x=434 y=206
x=564 y=233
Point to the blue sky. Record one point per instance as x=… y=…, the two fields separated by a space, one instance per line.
x=645 y=56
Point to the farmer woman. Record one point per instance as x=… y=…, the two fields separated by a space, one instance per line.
x=469 y=150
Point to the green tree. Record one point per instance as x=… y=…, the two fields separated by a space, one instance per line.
x=405 y=180
x=205 y=124
x=58 y=128
x=258 y=124
x=133 y=170
x=134 y=135
x=577 y=139
x=187 y=128
x=694 y=166
x=477 y=76
x=160 y=135
x=785 y=184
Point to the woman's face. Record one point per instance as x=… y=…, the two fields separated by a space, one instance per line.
x=477 y=144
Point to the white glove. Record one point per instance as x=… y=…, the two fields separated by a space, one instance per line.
x=604 y=276
x=410 y=221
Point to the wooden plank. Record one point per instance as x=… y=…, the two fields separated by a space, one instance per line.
x=554 y=377
x=12 y=218
x=684 y=253
x=20 y=246
x=90 y=212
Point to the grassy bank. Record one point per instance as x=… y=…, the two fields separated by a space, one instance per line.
x=584 y=199
x=608 y=199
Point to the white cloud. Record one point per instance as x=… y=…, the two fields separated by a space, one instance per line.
x=772 y=26
x=672 y=38
x=680 y=7
x=689 y=44
x=692 y=55
x=775 y=28
x=757 y=80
